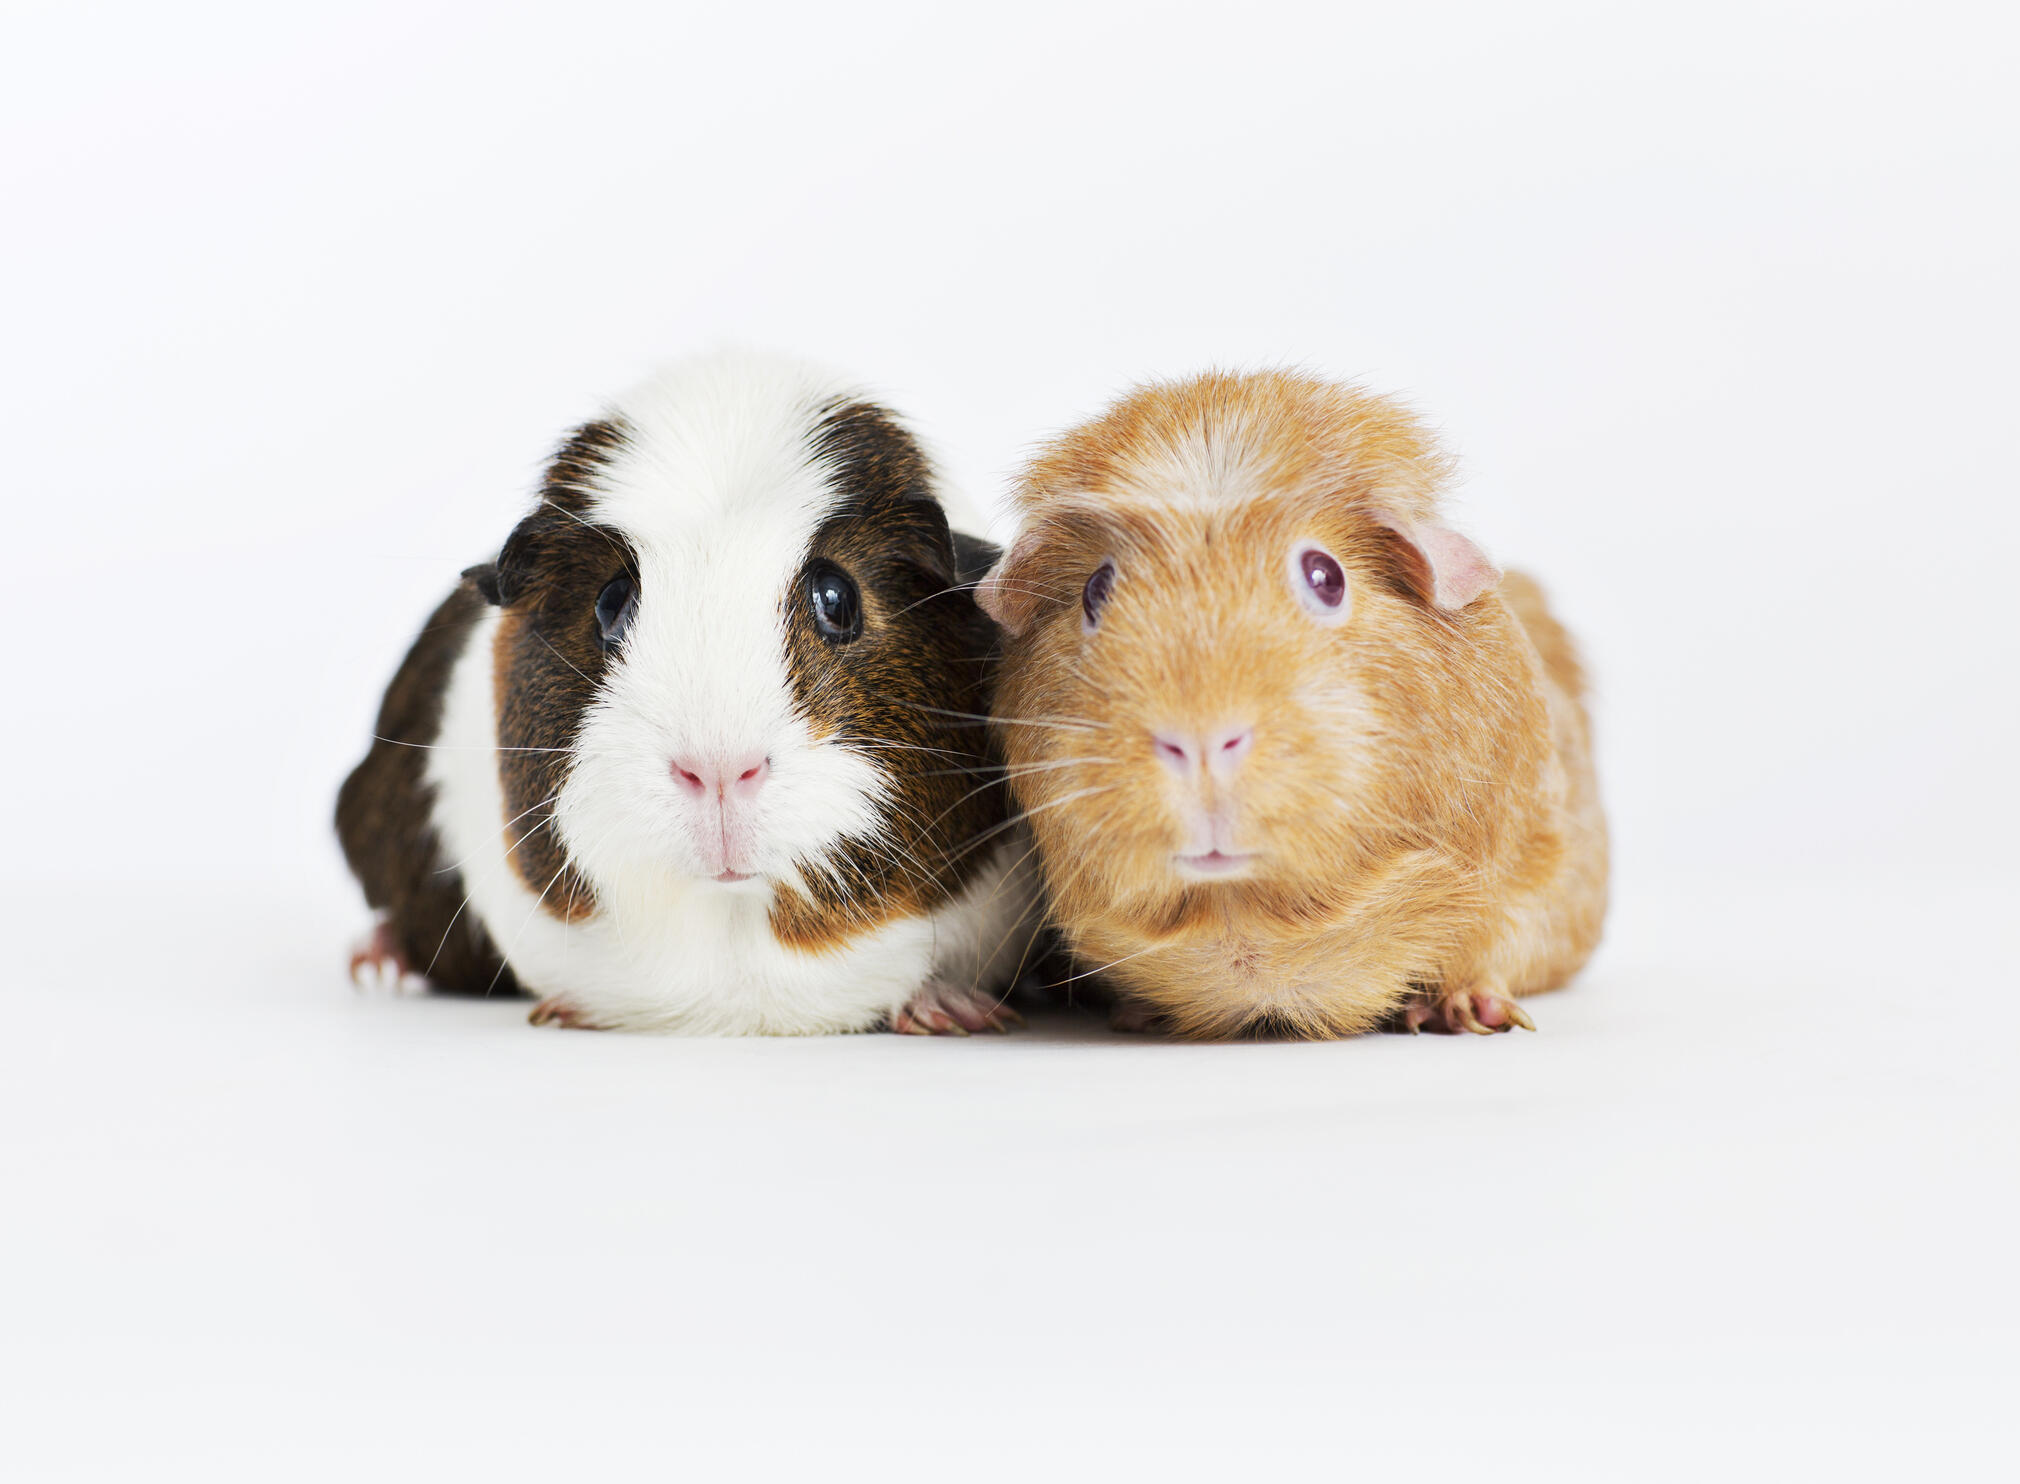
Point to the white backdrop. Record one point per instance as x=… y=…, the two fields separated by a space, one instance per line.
x=1716 y=302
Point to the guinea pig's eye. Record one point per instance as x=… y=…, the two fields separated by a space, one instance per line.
x=1320 y=581
x=1094 y=597
x=616 y=606
x=836 y=605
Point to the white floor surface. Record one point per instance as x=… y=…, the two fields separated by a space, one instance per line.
x=1745 y=1207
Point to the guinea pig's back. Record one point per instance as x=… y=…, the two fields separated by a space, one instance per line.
x=1575 y=905
x=1524 y=597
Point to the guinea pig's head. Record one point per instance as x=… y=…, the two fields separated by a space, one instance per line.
x=734 y=655
x=1227 y=615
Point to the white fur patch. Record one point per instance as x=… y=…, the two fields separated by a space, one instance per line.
x=719 y=495
x=1199 y=470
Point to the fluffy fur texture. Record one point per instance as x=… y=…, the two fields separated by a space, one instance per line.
x=729 y=821
x=1259 y=813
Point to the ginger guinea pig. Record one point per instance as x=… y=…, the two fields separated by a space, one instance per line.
x=702 y=750
x=1297 y=758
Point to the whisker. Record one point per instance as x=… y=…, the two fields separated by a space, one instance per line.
x=1104 y=968
x=557 y=653
x=984 y=836
x=1045 y=897
x=609 y=540
x=977 y=716
x=436 y=958
x=959 y=587
x=883 y=744
x=462 y=746
x=505 y=955
x=459 y=865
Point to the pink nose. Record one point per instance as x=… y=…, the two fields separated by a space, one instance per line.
x=1219 y=750
x=734 y=777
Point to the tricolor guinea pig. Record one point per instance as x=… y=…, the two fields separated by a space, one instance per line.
x=1297 y=758
x=705 y=749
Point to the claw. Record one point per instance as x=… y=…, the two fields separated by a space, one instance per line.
x=376 y=960
x=943 y=1008
x=1476 y=1011
x=556 y=1011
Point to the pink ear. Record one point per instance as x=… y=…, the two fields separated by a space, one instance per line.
x=1003 y=595
x=1448 y=569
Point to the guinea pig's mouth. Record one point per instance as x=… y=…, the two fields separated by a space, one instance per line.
x=730 y=878
x=1214 y=864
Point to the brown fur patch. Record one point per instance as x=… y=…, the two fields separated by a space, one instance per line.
x=384 y=811
x=549 y=662
x=1419 y=791
x=911 y=691
x=532 y=680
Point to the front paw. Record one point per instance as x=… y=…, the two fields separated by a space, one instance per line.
x=944 y=1009
x=1449 y=1012
x=554 y=1010
x=377 y=963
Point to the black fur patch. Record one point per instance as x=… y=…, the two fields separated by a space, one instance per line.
x=911 y=690
x=384 y=810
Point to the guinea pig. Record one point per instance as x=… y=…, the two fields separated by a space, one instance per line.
x=705 y=749
x=1297 y=758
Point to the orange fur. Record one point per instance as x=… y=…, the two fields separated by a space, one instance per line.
x=1420 y=792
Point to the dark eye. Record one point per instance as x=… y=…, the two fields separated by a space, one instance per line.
x=1320 y=580
x=837 y=606
x=616 y=606
x=1094 y=597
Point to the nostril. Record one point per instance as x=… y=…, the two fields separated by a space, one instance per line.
x=1174 y=748
x=1230 y=745
x=742 y=776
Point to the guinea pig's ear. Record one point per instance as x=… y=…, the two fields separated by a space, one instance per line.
x=502 y=581
x=929 y=541
x=484 y=576
x=1007 y=594
x=1437 y=564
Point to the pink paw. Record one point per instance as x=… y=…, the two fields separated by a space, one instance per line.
x=377 y=963
x=943 y=1009
x=1465 y=1010
x=556 y=1011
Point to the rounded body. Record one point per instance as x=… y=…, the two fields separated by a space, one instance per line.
x=1295 y=756
x=702 y=750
